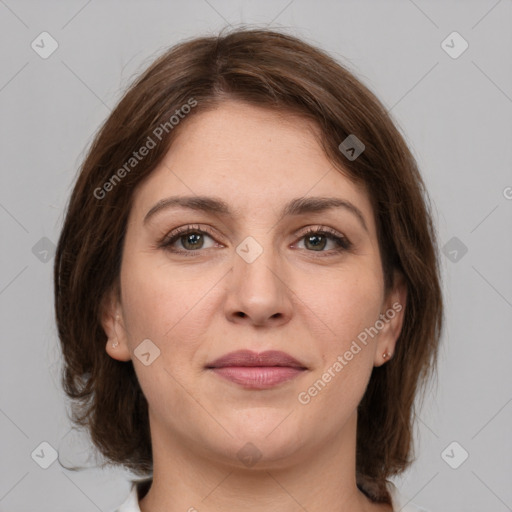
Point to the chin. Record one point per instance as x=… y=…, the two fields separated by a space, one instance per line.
x=255 y=453
x=269 y=441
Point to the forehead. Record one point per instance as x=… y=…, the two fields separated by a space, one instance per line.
x=255 y=158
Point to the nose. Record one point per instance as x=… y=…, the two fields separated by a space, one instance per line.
x=259 y=292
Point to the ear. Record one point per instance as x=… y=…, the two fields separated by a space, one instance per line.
x=112 y=321
x=392 y=316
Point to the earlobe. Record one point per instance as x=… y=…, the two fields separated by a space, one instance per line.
x=117 y=347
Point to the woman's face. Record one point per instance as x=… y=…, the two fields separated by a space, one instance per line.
x=253 y=279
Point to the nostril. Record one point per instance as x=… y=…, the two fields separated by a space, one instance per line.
x=241 y=314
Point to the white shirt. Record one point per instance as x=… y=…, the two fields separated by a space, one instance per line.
x=398 y=502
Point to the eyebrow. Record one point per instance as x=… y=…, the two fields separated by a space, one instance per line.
x=295 y=207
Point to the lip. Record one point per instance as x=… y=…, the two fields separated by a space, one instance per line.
x=254 y=370
x=250 y=358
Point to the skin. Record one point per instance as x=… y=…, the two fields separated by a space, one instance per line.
x=309 y=302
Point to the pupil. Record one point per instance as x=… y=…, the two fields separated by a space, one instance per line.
x=317 y=237
x=192 y=239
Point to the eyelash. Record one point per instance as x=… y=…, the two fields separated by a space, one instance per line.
x=342 y=242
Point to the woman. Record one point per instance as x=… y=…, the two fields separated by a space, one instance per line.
x=247 y=284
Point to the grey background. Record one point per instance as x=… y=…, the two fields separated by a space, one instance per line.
x=457 y=117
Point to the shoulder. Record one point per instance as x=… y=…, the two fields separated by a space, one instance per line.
x=400 y=503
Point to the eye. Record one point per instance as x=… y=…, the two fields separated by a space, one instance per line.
x=191 y=238
x=316 y=240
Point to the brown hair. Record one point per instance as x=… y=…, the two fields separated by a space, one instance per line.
x=281 y=72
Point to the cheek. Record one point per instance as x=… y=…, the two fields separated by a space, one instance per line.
x=342 y=305
x=173 y=310
x=161 y=306
x=158 y=300
x=337 y=385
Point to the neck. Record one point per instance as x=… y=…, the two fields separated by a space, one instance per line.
x=318 y=478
